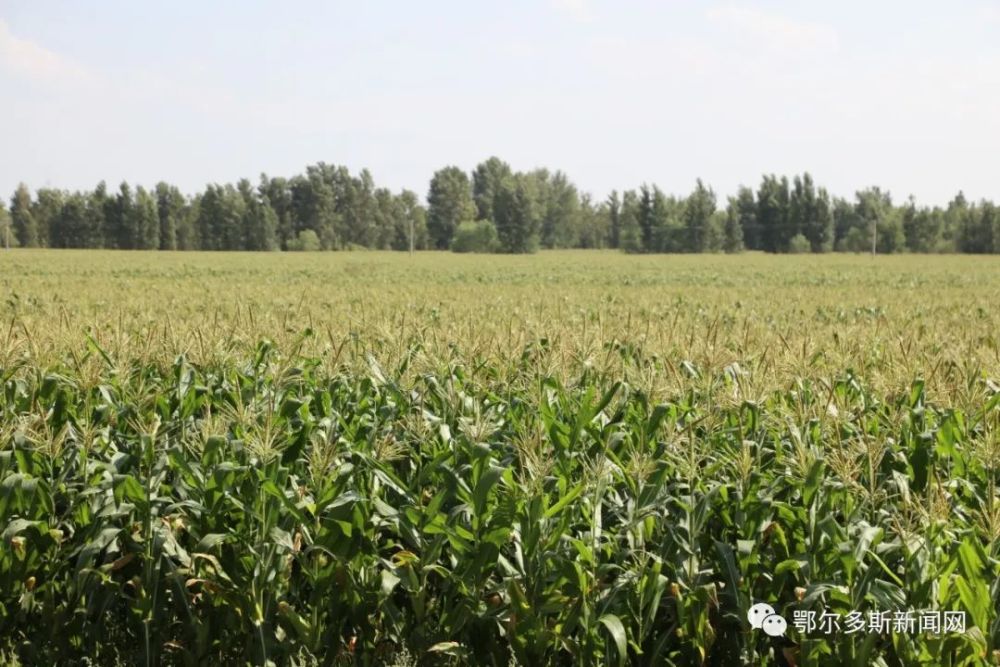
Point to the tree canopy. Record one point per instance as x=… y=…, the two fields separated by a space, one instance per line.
x=492 y=208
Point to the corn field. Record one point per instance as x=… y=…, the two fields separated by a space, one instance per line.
x=578 y=458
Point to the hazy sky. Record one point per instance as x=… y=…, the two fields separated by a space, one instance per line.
x=905 y=95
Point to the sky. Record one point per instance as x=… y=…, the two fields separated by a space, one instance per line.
x=904 y=95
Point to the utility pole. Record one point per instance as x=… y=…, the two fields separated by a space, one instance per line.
x=411 y=234
x=874 y=235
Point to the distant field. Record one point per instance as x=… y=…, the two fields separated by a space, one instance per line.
x=892 y=317
x=576 y=457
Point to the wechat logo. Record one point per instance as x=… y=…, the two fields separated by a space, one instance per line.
x=763 y=617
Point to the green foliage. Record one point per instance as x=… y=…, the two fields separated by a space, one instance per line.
x=408 y=221
x=857 y=240
x=221 y=212
x=449 y=203
x=145 y=223
x=493 y=457
x=614 y=214
x=773 y=218
x=348 y=210
x=799 y=244
x=650 y=215
x=979 y=229
x=278 y=194
x=121 y=219
x=169 y=209
x=732 y=235
x=810 y=214
x=259 y=221
x=631 y=239
x=921 y=229
x=745 y=213
x=891 y=236
x=98 y=205
x=560 y=211
x=306 y=241
x=70 y=227
x=698 y=211
x=660 y=222
x=480 y=236
x=872 y=208
x=45 y=211
x=594 y=224
x=7 y=236
x=487 y=178
x=261 y=509
x=22 y=219
x=360 y=206
x=314 y=206
x=517 y=215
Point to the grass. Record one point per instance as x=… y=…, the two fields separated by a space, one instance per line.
x=572 y=458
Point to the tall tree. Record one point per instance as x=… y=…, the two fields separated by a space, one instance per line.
x=891 y=238
x=97 y=211
x=614 y=211
x=809 y=214
x=594 y=224
x=646 y=217
x=233 y=216
x=71 y=227
x=386 y=212
x=517 y=216
x=279 y=194
x=359 y=210
x=170 y=206
x=261 y=225
x=340 y=210
x=22 y=219
x=487 y=179
x=188 y=235
x=630 y=239
x=559 y=207
x=773 y=214
x=922 y=228
x=315 y=207
x=953 y=219
x=698 y=211
x=146 y=220
x=872 y=207
x=187 y=231
x=121 y=219
x=801 y=202
x=845 y=219
x=209 y=220
x=732 y=241
x=819 y=229
x=46 y=209
x=746 y=213
x=409 y=222
x=449 y=203
x=669 y=232
x=7 y=238
x=976 y=228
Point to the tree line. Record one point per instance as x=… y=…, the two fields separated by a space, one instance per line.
x=491 y=209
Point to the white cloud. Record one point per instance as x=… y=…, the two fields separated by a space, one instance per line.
x=578 y=10
x=776 y=30
x=85 y=88
x=27 y=59
x=990 y=13
x=519 y=50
